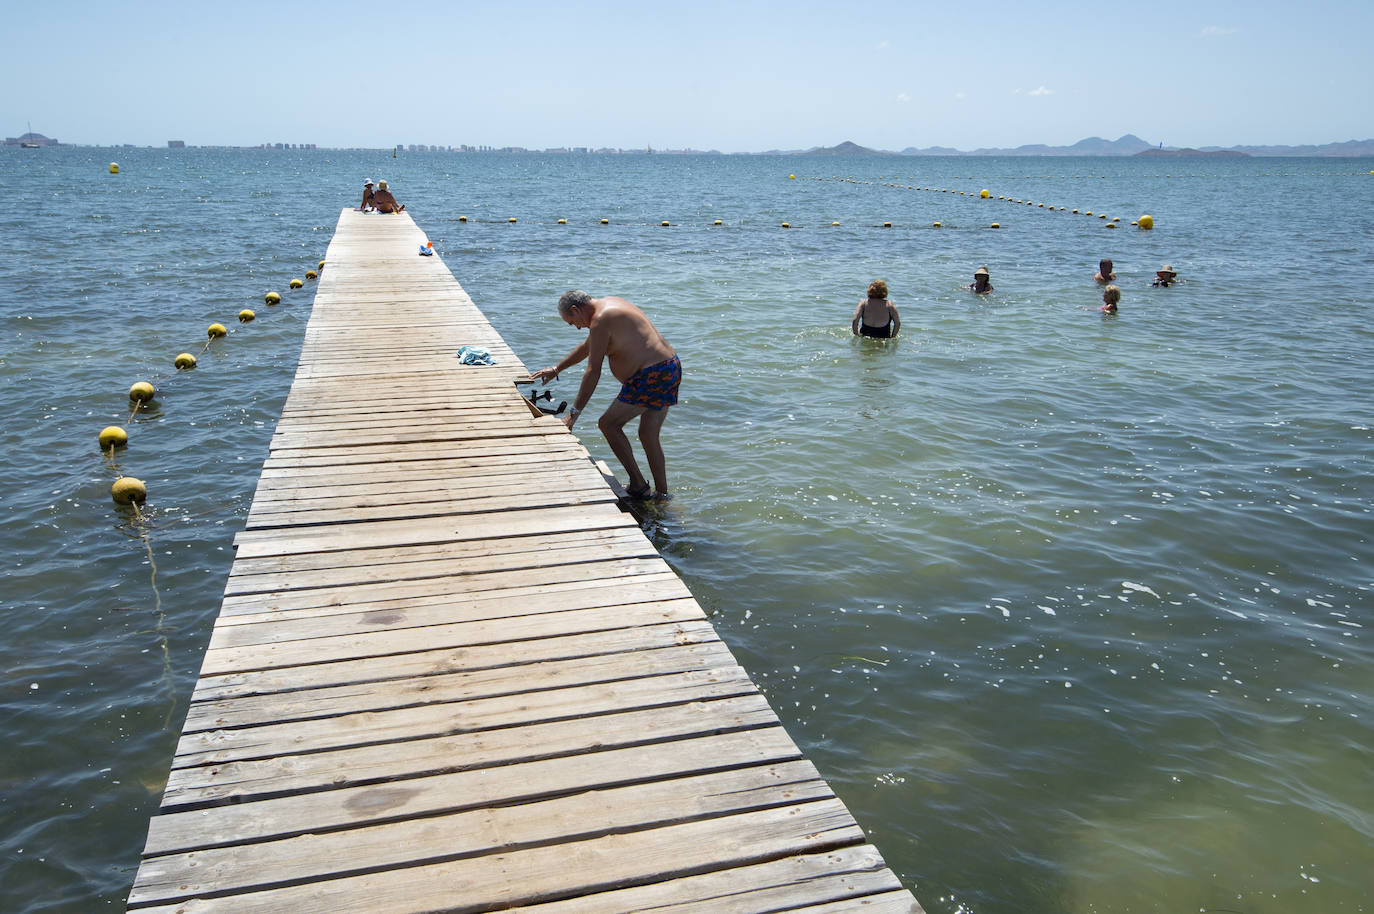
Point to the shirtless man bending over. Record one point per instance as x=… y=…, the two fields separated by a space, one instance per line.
x=644 y=363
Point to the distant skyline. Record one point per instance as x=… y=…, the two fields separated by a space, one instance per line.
x=735 y=77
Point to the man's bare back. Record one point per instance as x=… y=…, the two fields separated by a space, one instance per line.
x=632 y=341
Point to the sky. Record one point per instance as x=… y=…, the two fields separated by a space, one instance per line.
x=731 y=76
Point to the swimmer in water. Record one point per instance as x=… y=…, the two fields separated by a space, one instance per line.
x=1104 y=271
x=1110 y=296
x=1165 y=277
x=982 y=282
x=876 y=316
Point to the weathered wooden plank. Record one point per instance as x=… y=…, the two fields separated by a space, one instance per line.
x=255 y=779
x=397 y=693
x=377 y=642
x=360 y=566
x=466 y=834
x=363 y=457
x=257 y=543
x=459 y=592
x=449 y=718
x=432 y=507
x=494 y=655
x=210 y=747
x=528 y=876
x=853 y=877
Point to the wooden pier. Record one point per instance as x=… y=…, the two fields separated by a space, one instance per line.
x=450 y=674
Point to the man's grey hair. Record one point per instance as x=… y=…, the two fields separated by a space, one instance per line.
x=571 y=299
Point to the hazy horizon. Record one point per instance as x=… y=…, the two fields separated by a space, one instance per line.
x=730 y=77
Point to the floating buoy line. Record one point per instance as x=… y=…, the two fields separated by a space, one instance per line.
x=1145 y=222
x=130 y=491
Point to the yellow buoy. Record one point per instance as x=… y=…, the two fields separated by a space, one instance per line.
x=1116 y=218
x=791 y=177
x=935 y=225
x=141 y=392
x=272 y=298
x=311 y=274
x=296 y=283
x=984 y=194
x=787 y=225
x=114 y=168
x=462 y=218
x=834 y=223
x=1102 y=215
x=562 y=221
x=1088 y=213
x=1147 y=221
x=605 y=222
x=717 y=222
x=1041 y=205
x=995 y=225
x=1111 y=225
x=246 y=315
x=664 y=222
x=1075 y=211
x=321 y=266
x=216 y=330
x=127 y=490
x=185 y=360
x=511 y=219
x=113 y=436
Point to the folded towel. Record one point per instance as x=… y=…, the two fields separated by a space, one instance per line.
x=475 y=355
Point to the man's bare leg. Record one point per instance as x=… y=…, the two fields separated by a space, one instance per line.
x=649 y=426
x=612 y=425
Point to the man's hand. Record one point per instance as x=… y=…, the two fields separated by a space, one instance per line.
x=545 y=374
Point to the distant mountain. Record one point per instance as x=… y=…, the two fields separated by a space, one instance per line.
x=1348 y=148
x=1129 y=144
x=846 y=149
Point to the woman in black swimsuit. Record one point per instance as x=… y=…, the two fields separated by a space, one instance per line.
x=876 y=316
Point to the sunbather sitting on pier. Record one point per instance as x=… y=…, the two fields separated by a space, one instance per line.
x=384 y=202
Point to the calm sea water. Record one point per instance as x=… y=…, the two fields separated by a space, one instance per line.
x=1070 y=609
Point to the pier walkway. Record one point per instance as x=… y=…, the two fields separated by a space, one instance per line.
x=450 y=674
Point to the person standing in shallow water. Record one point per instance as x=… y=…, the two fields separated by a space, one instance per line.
x=647 y=367
x=982 y=282
x=1104 y=271
x=1111 y=296
x=876 y=316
